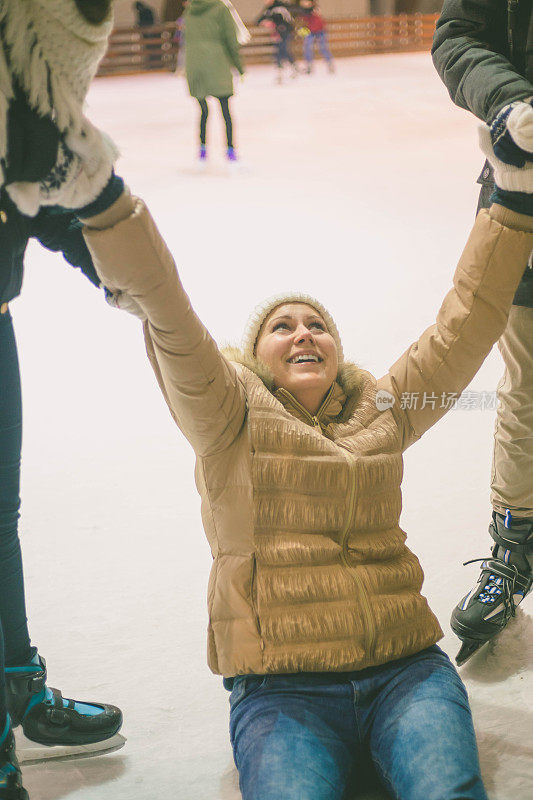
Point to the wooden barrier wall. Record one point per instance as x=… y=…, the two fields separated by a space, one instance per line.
x=357 y=36
x=141 y=49
x=156 y=48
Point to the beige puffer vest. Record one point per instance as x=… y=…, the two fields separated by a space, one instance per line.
x=310 y=569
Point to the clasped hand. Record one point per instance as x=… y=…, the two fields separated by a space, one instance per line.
x=82 y=171
x=508 y=145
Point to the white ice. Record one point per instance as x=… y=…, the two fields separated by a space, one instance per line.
x=360 y=189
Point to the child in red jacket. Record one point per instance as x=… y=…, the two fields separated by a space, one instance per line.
x=314 y=22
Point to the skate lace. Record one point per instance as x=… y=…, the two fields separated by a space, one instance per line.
x=501 y=583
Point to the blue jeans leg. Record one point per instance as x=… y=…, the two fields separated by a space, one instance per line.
x=12 y=602
x=285 y=52
x=309 y=46
x=3 y=698
x=289 y=739
x=422 y=738
x=313 y=736
x=323 y=44
x=279 y=53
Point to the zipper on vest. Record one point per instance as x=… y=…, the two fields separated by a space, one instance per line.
x=370 y=628
x=314 y=419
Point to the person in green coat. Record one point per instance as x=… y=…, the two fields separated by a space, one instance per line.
x=211 y=51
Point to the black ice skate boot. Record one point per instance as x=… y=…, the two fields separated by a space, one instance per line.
x=505 y=580
x=46 y=717
x=11 y=787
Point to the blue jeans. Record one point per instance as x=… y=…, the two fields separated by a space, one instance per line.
x=12 y=603
x=311 y=736
x=309 y=46
x=283 y=51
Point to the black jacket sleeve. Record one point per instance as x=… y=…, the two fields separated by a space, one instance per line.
x=470 y=54
x=63 y=232
x=57 y=232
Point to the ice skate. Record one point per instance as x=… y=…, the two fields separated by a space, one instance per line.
x=233 y=162
x=505 y=579
x=61 y=728
x=202 y=158
x=11 y=787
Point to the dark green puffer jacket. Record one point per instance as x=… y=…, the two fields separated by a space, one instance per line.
x=483 y=51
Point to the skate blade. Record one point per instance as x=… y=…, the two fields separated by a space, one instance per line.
x=467 y=651
x=29 y=752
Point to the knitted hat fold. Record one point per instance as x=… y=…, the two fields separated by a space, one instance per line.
x=262 y=311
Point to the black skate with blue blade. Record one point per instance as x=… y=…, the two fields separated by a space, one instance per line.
x=505 y=579
x=11 y=787
x=67 y=728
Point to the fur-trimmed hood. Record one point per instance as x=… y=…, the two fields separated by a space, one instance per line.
x=340 y=401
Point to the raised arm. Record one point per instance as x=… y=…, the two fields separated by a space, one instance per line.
x=441 y=364
x=470 y=54
x=202 y=389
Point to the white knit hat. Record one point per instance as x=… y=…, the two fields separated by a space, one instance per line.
x=53 y=52
x=261 y=312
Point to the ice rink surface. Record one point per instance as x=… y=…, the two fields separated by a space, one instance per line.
x=358 y=188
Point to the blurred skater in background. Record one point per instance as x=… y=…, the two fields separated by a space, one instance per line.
x=212 y=34
x=278 y=17
x=145 y=18
x=314 y=29
x=144 y=13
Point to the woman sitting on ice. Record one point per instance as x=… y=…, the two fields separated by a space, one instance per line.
x=316 y=620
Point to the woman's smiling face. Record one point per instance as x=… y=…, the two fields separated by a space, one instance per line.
x=296 y=345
